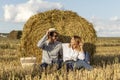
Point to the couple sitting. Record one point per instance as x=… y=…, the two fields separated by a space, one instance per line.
x=71 y=54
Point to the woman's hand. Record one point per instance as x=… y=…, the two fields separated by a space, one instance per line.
x=81 y=46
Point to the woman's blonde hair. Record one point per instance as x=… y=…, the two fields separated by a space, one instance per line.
x=78 y=40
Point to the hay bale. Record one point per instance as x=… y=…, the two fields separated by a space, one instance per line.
x=28 y=62
x=67 y=23
x=15 y=34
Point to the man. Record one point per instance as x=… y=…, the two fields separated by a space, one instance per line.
x=52 y=49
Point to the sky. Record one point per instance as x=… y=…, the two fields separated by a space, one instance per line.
x=104 y=14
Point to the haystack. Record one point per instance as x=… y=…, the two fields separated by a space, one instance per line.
x=14 y=34
x=67 y=23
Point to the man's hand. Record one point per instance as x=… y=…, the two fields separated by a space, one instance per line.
x=47 y=32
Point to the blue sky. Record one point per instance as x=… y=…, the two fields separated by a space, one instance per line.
x=104 y=14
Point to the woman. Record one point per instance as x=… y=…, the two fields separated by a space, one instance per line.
x=73 y=54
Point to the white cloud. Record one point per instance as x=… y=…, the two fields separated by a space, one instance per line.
x=1 y=20
x=21 y=12
x=115 y=18
x=107 y=28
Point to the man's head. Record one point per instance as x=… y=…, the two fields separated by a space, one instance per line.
x=52 y=35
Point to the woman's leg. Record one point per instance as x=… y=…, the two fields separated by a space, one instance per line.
x=87 y=57
x=81 y=63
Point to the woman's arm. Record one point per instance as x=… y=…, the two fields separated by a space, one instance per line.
x=81 y=56
x=75 y=56
x=81 y=47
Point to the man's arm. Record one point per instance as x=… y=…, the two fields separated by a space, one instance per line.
x=60 y=55
x=56 y=49
x=42 y=42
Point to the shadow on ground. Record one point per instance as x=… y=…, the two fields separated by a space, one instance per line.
x=103 y=60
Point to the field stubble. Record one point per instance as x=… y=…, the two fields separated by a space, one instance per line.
x=106 y=63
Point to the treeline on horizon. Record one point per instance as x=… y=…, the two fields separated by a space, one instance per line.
x=17 y=34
